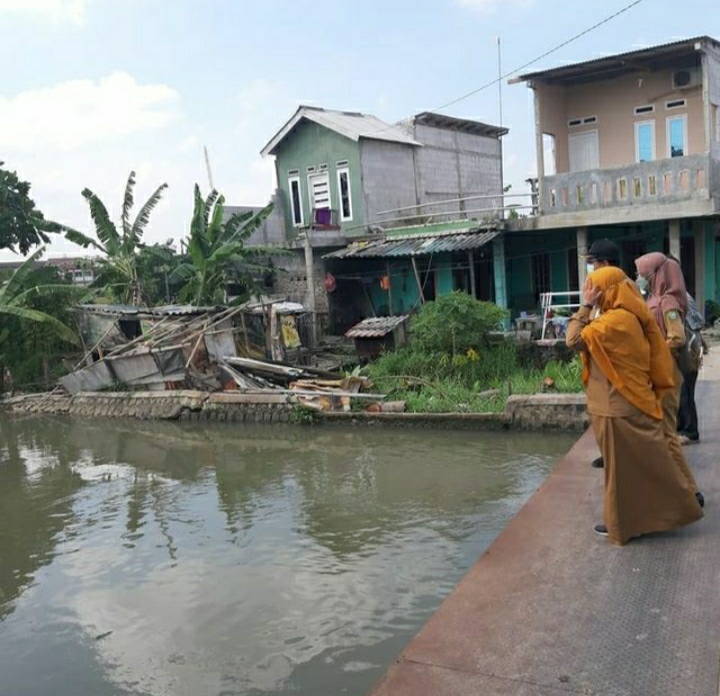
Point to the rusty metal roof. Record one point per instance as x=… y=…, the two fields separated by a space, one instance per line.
x=375 y=327
x=463 y=125
x=416 y=245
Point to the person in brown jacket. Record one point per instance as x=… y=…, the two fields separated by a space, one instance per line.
x=663 y=279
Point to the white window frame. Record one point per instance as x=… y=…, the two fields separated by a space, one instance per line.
x=716 y=122
x=340 y=171
x=668 y=120
x=295 y=178
x=311 y=190
x=579 y=134
x=651 y=123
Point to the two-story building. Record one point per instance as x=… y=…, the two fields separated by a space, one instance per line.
x=347 y=178
x=628 y=147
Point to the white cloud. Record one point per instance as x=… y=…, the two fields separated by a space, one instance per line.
x=79 y=113
x=93 y=133
x=490 y=6
x=54 y=10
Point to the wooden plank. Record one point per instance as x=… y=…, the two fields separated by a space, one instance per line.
x=248 y=398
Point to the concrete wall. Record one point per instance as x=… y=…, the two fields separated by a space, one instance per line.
x=539 y=412
x=711 y=65
x=273 y=231
x=453 y=165
x=613 y=103
x=388 y=178
x=231 y=407
x=553 y=121
x=291 y=279
x=312 y=145
x=662 y=181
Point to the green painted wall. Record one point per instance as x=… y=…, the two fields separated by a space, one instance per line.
x=559 y=271
x=500 y=272
x=405 y=296
x=444 y=276
x=312 y=145
x=711 y=268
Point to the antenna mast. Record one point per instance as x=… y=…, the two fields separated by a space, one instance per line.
x=209 y=171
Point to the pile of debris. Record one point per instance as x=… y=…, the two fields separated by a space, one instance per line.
x=242 y=349
x=307 y=386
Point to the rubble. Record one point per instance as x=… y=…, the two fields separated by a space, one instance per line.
x=211 y=349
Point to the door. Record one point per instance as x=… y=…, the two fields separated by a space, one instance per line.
x=584 y=151
x=319 y=191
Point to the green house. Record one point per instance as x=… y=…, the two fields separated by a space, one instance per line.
x=344 y=177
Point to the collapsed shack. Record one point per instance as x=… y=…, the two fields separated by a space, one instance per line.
x=244 y=348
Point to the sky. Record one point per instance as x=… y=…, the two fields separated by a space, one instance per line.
x=94 y=89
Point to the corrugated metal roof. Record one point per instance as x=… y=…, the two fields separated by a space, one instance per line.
x=168 y=310
x=439 y=228
x=414 y=246
x=349 y=124
x=625 y=61
x=375 y=327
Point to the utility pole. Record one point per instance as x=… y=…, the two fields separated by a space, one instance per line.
x=499 y=59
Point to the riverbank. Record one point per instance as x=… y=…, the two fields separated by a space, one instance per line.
x=550 y=608
x=562 y=412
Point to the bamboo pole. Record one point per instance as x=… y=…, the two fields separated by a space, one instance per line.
x=417 y=280
x=473 y=285
x=390 y=293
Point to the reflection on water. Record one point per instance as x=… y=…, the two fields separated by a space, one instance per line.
x=160 y=559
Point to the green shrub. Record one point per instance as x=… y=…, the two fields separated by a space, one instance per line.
x=455 y=323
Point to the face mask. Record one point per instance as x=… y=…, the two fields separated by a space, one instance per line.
x=643 y=284
x=590 y=268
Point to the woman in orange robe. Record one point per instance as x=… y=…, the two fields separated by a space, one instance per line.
x=627 y=371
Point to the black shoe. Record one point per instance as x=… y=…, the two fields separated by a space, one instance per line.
x=597 y=463
x=701 y=499
x=600 y=529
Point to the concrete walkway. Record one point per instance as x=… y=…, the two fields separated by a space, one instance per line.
x=551 y=608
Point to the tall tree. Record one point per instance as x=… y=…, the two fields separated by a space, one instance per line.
x=119 y=248
x=216 y=250
x=22 y=225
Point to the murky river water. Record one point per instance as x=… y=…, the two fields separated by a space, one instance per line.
x=186 y=561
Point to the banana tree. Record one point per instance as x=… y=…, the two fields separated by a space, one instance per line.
x=216 y=250
x=15 y=293
x=118 y=248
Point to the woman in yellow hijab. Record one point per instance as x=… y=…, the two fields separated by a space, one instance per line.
x=628 y=369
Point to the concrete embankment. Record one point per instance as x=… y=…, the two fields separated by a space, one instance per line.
x=551 y=608
x=538 y=412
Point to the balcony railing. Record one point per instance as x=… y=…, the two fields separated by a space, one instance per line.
x=324 y=218
x=659 y=181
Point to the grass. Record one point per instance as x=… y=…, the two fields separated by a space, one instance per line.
x=439 y=383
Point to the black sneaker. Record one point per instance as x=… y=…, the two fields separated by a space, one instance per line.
x=600 y=529
x=597 y=463
x=701 y=499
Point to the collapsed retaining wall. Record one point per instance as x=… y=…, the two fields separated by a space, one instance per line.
x=537 y=412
